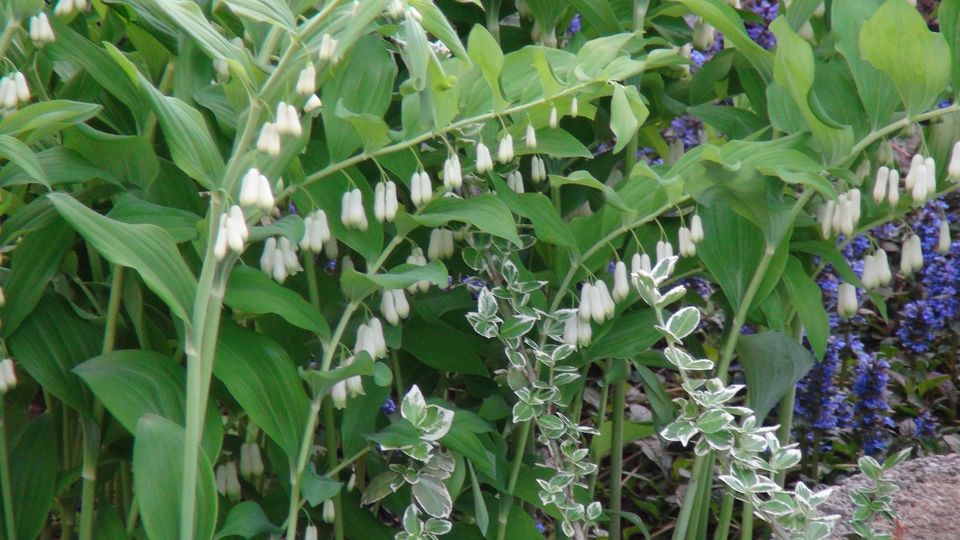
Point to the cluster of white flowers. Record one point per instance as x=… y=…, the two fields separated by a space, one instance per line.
x=65 y=8
x=251 y=462
x=515 y=181
x=876 y=270
x=921 y=179
x=385 y=204
x=369 y=340
x=232 y=233
x=279 y=259
x=227 y=482
x=441 y=244
x=911 y=255
x=394 y=305
x=255 y=190
x=421 y=189
x=416 y=258
x=41 y=32
x=352 y=213
x=840 y=216
x=538 y=169
x=887 y=186
x=14 y=91
x=287 y=120
x=8 y=376
x=690 y=237
x=316 y=232
x=664 y=250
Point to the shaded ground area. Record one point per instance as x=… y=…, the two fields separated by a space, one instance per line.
x=928 y=502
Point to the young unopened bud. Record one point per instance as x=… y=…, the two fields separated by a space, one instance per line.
x=885 y=153
x=598 y=310
x=827 y=213
x=882 y=265
x=574 y=107
x=269 y=257
x=352 y=213
x=847 y=300
x=220 y=243
x=265 y=198
x=703 y=35
x=531 y=137
x=17 y=91
x=609 y=306
x=307 y=81
x=64 y=8
x=911 y=180
x=585 y=310
x=289 y=252
x=236 y=227
x=931 y=176
x=312 y=104
x=943 y=243
x=846 y=217
x=8 y=376
x=41 y=32
x=515 y=181
x=227 y=482
x=395 y=10
x=505 y=151
x=338 y=394
x=953 y=169
x=388 y=307
x=621 y=285
x=554 y=120
x=401 y=304
x=250 y=188
x=664 y=250
x=310 y=533
x=328 y=48
x=893 y=188
x=920 y=185
x=570 y=331
x=269 y=140
x=854 y=197
x=380 y=202
x=686 y=245
x=329 y=511
x=880 y=184
x=696 y=229
x=452 y=174
x=870 y=277
x=484 y=161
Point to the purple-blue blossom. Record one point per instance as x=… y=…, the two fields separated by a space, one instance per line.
x=872 y=413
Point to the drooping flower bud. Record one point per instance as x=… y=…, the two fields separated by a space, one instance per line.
x=251 y=463
x=854 y=196
x=41 y=32
x=227 y=482
x=703 y=35
x=505 y=151
x=484 y=161
x=696 y=229
x=452 y=174
x=236 y=227
x=312 y=104
x=686 y=245
x=388 y=307
x=621 y=285
x=570 y=331
x=826 y=216
x=64 y=8
x=574 y=107
x=250 y=188
x=554 y=120
x=911 y=179
x=943 y=243
x=515 y=181
x=380 y=202
x=598 y=310
x=585 y=310
x=265 y=198
x=531 y=136
x=269 y=257
x=847 y=300
x=338 y=394
x=289 y=252
x=893 y=188
x=400 y=303
x=870 y=277
x=426 y=188
x=328 y=48
x=310 y=533
x=931 y=176
x=307 y=81
x=8 y=376
x=329 y=511
x=880 y=184
x=269 y=140
x=220 y=243
x=920 y=185
x=883 y=267
x=538 y=170
x=953 y=169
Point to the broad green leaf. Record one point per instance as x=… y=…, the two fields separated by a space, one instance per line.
x=33 y=475
x=180 y=224
x=627 y=112
x=772 y=363
x=536 y=207
x=370 y=67
x=556 y=143
x=875 y=89
x=191 y=144
x=22 y=156
x=684 y=321
x=585 y=179
x=50 y=343
x=34 y=263
x=437 y=24
x=734 y=122
x=725 y=19
x=135 y=383
x=248 y=520
x=317 y=489
x=61 y=166
x=799 y=12
x=129 y=158
x=484 y=212
x=598 y=14
x=485 y=53
x=320 y=382
x=807 y=299
x=261 y=377
x=158 y=460
x=328 y=195
x=794 y=69
x=416 y=53
x=432 y=496
x=443 y=347
x=480 y=513
x=630 y=334
x=145 y=248
x=36 y=120
x=251 y=291
x=359 y=285
x=896 y=41
x=372 y=129
x=948 y=16
x=274 y=12
x=189 y=18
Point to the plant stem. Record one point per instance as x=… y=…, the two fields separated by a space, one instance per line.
x=295 y=475
x=9 y=29
x=8 y=516
x=330 y=429
x=726 y=514
x=890 y=128
x=518 y=452
x=746 y=525
x=616 y=454
x=689 y=496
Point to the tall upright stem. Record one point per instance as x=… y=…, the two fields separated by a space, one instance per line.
x=518 y=451
x=616 y=455
x=8 y=516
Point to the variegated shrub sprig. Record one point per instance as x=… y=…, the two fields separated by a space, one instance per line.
x=422 y=425
x=750 y=454
x=536 y=374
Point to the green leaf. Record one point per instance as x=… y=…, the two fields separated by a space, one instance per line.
x=443 y=347
x=536 y=207
x=585 y=179
x=598 y=14
x=359 y=285
x=480 y=513
x=735 y=123
x=61 y=166
x=370 y=67
x=134 y=383
x=262 y=378
x=317 y=489
x=725 y=19
x=34 y=263
x=191 y=144
x=557 y=143
x=485 y=53
x=36 y=120
x=432 y=496
x=33 y=475
x=189 y=18
x=372 y=129
x=627 y=112
x=683 y=322
x=50 y=343
x=484 y=212
x=20 y=155
x=948 y=16
x=158 y=460
x=772 y=363
x=321 y=382
x=145 y=248
x=251 y=291
x=794 y=69
x=438 y=25
x=807 y=298
x=632 y=431
x=180 y=224
x=127 y=157
x=630 y=334
x=896 y=41
x=246 y=519
x=273 y=12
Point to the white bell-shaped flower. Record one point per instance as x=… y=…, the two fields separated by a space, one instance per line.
x=953 y=168
x=484 y=161
x=269 y=140
x=452 y=173
x=554 y=120
x=621 y=285
x=943 y=242
x=880 y=184
x=307 y=81
x=505 y=150
x=531 y=136
x=312 y=104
